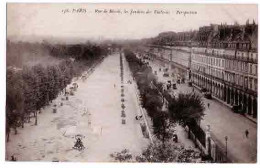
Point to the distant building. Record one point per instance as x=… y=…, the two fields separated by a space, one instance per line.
x=220 y=58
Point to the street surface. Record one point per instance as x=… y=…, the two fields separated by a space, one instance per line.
x=93 y=112
x=223 y=122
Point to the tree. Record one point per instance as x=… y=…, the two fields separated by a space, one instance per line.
x=186 y=108
x=151 y=100
x=51 y=88
x=162 y=126
x=30 y=89
x=168 y=153
x=160 y=154
x=7 y=129
x=14 y=100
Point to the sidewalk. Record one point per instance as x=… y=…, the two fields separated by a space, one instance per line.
x=228 y=105
x=146 y=119
x=223 y=122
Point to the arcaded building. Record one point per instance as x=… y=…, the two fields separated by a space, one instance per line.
x=222 y=59
x=228 y=68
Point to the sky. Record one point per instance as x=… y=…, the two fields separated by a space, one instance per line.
x=31 y=20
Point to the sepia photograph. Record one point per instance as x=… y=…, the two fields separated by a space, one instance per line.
x=131 y=82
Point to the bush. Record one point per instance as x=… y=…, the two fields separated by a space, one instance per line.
x=167 y=153
x=123 y=156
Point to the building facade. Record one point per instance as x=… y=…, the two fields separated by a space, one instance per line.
x=175 y=57
x=222 y=59
x=230 y=74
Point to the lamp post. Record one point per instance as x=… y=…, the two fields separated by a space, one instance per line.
x=226 y=138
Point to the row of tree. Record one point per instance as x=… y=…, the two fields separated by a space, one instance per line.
x=150 y=97
x=184 y=109
x=85 y=51
x=30 y=88
x=20 y=53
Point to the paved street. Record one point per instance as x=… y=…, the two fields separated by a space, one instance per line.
x=94 y=112
x=223 y=122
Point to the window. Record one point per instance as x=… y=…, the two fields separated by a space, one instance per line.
x=227 y=63
x=250 y=56
x=246 y=82
x=246 y=67
x=250 y=83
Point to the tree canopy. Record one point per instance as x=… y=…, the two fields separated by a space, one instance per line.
x=160 y=154
x=186 y=107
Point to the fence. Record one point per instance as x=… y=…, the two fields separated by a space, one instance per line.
x=208 y=145
x=199 y=132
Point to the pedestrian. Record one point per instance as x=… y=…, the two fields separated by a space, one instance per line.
x=208 y=105
x=13 y=158
x=193 y=89
x=246 y=132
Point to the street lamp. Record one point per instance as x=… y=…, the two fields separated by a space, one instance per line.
x=226 y=138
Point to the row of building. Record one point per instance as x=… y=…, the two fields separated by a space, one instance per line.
x=224 y=65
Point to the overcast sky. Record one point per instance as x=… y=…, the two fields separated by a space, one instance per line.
x=49 y=19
